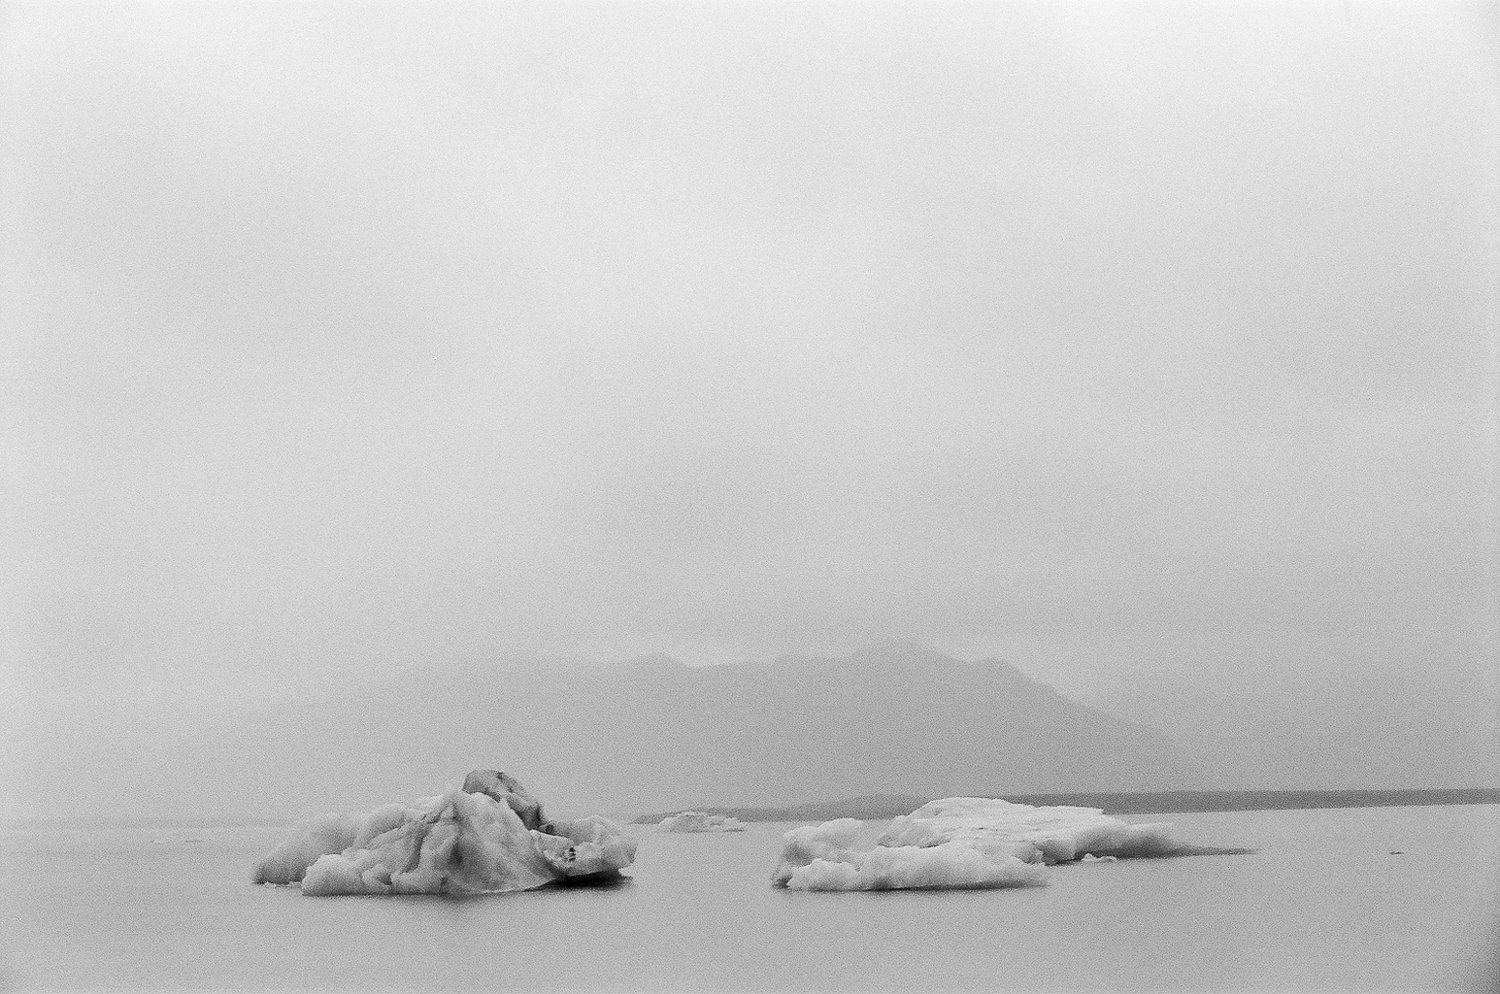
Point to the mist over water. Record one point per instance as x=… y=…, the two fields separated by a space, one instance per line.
x=1141 y=345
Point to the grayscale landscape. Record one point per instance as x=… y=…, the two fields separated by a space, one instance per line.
x=1034 y=460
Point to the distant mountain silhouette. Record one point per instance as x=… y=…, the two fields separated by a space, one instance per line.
x=895 y=719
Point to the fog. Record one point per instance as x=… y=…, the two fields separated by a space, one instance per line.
x=1119 y=341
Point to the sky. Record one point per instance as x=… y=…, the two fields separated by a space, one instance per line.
x=1122 y=341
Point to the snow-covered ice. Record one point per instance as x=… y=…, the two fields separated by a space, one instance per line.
x=965 y=842
x=823 y=857
x=459 y=842
x=1057 y=834
x=700 y=821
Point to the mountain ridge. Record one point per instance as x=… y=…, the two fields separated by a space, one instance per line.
x=655 y=733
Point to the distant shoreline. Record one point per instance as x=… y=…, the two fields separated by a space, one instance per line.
x=1122 y=802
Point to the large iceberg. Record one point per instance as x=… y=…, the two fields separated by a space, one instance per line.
x=962 y=842
x=699 y=821
x=488 y=836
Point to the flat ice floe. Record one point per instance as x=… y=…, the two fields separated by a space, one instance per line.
x=699 y=821
x=487 y=837
x=966 y=842
x=824 y=857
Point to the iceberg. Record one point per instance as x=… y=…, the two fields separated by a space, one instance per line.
x=699 y=821
x=967 y=842
x=489 y=836
x=1056 y=834
x=824 y=857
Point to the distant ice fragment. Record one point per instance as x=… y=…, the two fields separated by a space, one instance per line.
x=965 y=842
x=700 y=821
x=460 y=842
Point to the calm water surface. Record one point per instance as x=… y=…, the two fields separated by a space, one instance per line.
x=1324 y=906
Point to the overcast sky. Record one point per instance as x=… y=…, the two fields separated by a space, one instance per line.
x=1113 y=339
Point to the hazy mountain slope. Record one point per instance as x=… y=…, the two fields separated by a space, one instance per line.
x=1403 y=730
x=658 y=734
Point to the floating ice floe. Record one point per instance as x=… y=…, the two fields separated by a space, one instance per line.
x=700 y=821
x=825 y=857
x=966 y=842
x=488 y=836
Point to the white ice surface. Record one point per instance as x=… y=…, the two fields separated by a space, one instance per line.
x=962 y=842
x=823 y=857
x=1058 y=834
x=699 y=821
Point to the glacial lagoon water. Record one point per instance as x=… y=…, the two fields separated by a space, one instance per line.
x=1354 y=899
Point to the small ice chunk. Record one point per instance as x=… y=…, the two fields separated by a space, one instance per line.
x=700 y=821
